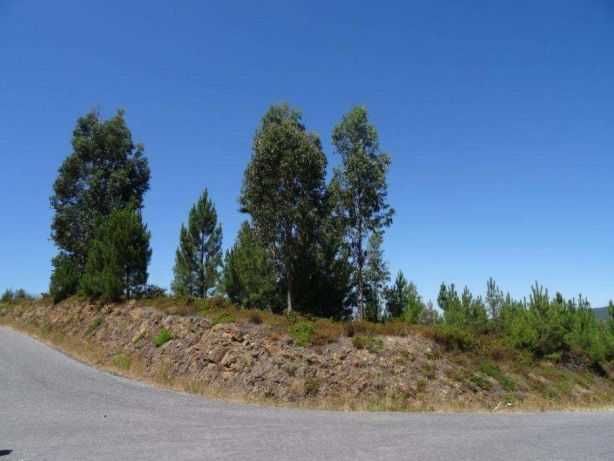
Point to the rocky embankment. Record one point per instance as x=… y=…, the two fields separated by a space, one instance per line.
x=250 y=362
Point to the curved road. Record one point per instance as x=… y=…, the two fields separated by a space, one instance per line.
x=54 y=408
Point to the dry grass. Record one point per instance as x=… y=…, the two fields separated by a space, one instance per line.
x=492 y=365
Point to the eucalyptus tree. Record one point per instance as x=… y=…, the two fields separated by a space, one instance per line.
x=362 y=188
x=284 y=189
x=104 y=172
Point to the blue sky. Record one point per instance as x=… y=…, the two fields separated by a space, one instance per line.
x=498 y=116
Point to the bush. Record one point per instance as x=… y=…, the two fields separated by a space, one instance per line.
x=301 y=332
x=163 y=337
x=7 y=297
x=454 y=338
x=371 y=343
x=121 y=361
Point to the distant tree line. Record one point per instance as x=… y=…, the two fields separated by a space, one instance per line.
x=307 y=245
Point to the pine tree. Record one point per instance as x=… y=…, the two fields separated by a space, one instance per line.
x=118 y=257
x=414 y=307
x=284 y=190
x=494 y=298
x=361 y=185
x=105 y=172
x=249 y=274
x=199 y=254
x=397 y=296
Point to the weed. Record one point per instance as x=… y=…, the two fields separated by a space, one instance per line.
x=223 y=317
x=96 y=323
x=121 y=361
x=490 y=369
x=302 y=333
x=312 y=386
x=162 y=337
x=480 y=381
x=371 y=343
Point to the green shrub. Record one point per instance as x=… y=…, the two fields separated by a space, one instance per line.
x=163 y=337
x=371 y=343
x=480 y=381
x=302 y=333
x=490 y=369
x=453 y=337
x=121 y=361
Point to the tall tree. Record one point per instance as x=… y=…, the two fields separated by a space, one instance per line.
x=249 y=273
x=283 y=189
x=397 y=296
x=106 y=171
x=376 y=276
x=199 y=255
x=403 y=300
x=118 y=257
x=494 y=298
x=362 y=188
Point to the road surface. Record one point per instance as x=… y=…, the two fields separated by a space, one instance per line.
x=54 y=408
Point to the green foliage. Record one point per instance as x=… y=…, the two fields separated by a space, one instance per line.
x=118 y=257
x=283 y=188
x=360 y=185
x=376 y=276
x=403 y=301
x=223 y=317
x=7 y=297
x=249 y=273
x=490 y=369
x=64 y=278
x=465 y=311
x=547 y=326
x=373 y=344
x=104 y=172
x=199 y=255
x=397 y=296
x=494 y=299
x=302 y=333
x=162 y=337
x=15 y=297
x=122 y=361
x=454 y=337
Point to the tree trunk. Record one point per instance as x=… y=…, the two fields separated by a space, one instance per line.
x=289 y=306
x=359 y=281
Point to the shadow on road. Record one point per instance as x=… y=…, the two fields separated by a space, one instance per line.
x=5 y=452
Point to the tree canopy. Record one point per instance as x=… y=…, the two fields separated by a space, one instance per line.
x=105 y=172
x=283 y=188
x=362 y=189
x=199 y=255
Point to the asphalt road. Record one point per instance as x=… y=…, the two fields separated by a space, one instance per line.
x=54 y=408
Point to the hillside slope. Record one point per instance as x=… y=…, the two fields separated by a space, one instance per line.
x=216 y=355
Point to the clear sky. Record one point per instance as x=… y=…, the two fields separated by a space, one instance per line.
x=498 y=116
